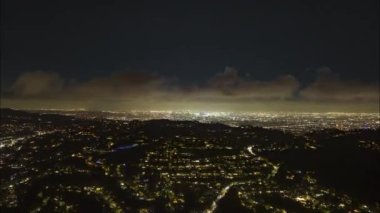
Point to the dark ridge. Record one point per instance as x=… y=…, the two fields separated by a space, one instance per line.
x=231 y=203
x=12 y=112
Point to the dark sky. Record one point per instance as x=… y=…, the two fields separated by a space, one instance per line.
x=228 y=47
x=192 y=40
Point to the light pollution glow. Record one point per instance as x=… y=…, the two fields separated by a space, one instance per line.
x=226 y=91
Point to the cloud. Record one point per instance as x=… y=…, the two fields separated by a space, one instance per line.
x=121 y=86
x=229 y=83
x=225 y=90
x=124 y=86
x=37 y=83
x=40 y=84
x=329 y=87
x=228 y=78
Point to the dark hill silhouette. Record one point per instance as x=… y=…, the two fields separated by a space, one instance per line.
x=231 y=203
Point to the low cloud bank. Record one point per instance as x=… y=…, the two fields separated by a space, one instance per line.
x=133 y=90
x=329 y=87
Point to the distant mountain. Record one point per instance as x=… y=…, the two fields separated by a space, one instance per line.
x=4 y=112
x=7 y=113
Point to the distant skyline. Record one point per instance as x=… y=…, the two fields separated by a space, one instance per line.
x=205 y=56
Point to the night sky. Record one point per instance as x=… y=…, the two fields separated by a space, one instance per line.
x=196 y=55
